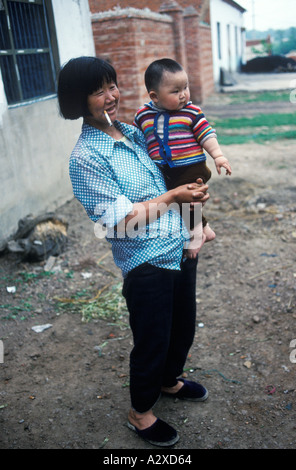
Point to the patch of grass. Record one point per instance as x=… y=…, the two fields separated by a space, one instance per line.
x=259 y=97
x=23 y=309
x=270 y=120
x=262 y=128
x=24 y=277
x=72 y=303
x=226 y=139
x=110 y=306
x=20 y=312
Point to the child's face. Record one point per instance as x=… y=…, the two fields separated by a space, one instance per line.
x=173 y=91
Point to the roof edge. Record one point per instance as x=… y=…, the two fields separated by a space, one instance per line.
x=235 y=5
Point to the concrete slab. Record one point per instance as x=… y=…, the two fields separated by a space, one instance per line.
x=261 y=82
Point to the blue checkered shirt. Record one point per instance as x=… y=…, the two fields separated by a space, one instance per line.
x=108 y=177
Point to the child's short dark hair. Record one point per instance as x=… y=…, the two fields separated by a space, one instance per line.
x=79 y=78
x=154 y=72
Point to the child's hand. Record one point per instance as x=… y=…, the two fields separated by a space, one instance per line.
x=222 y=162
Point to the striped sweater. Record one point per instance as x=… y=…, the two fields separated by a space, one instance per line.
x=174 y=137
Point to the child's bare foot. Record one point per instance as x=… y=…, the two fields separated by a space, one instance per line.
x=197 y=242
x=209 y=233
x=193 y=249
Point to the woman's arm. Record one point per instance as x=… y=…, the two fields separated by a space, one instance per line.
x=103 y=200
x=154 y=208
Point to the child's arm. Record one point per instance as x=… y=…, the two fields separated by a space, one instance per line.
x=213 y=148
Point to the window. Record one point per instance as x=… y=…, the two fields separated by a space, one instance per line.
x=229 y=46
x=236 y=43
x=26 y=50
x=219 y=41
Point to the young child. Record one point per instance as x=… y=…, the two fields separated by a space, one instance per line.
x=177 y=133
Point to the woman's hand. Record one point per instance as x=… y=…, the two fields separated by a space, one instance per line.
x=193 y=192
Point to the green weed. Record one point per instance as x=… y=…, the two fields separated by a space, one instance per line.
x=20 y=312
x=110 y=306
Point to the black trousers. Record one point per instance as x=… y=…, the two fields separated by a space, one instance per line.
x=162 y=308
x=178 y=175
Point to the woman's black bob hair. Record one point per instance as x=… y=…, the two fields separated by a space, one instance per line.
x=79 y=78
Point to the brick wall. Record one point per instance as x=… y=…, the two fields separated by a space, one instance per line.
x=131 y=42
x=206 y=62
x=132 y=38
x=154 y=5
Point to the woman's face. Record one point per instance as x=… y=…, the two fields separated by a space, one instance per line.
x=104 y=99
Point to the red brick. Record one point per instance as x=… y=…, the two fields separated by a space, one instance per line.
x=132 y=42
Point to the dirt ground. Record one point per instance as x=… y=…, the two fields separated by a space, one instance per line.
x=67 y=387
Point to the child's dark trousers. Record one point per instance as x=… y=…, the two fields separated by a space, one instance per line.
x=179 y=175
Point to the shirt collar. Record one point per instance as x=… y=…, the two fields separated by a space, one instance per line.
x=154 y=106
x=104 y=139
x=131 y=132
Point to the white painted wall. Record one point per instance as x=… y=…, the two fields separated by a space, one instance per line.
x=73 y=28
x=231 y=23
x=35 y=142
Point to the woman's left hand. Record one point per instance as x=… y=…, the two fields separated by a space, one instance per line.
x=201 y=194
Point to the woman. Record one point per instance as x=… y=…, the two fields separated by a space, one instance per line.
x=122 y=189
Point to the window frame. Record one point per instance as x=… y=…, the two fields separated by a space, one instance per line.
x=51 y=50
x=219 y=40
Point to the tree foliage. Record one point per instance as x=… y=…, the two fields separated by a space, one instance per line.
x=282 y=41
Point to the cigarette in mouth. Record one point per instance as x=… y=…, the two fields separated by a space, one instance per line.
x=108 y=118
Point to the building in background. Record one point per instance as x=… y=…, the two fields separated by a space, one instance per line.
x=228 y=37
x=258 y=47
x=217 y=38
x=36 y=37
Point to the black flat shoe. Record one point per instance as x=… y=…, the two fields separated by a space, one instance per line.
x=191 y=391
x=159 y=434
